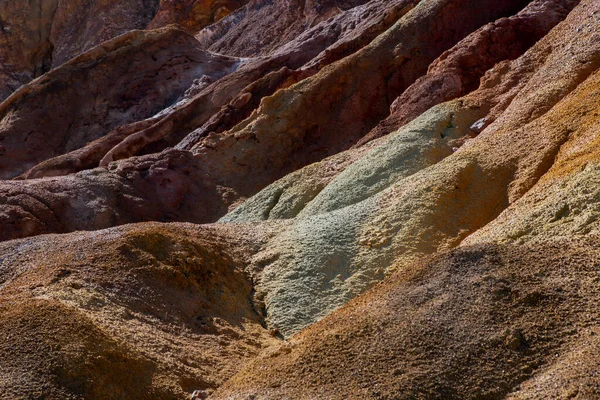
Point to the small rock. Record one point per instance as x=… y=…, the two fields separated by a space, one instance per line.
x=242 y=100
x=515 y=339
x=199 y=395
x=274 y=332
x=480 y=125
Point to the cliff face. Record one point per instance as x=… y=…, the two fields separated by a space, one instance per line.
x=330 y=199
x=38 y=35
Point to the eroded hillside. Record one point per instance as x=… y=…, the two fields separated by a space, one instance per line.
x=299 y=199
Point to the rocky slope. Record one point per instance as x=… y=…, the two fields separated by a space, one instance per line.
x=167 y=311
x=401 y=199
x=193 y=15
x=487 y=321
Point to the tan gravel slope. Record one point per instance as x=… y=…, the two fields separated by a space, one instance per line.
x=139 y=312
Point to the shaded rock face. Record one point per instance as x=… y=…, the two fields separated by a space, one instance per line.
x=163 y=187
x=457 y=72
x=193 y=15
x=405 y=191
x=263 y=26
x=416 y=191
x=195 y=114
x=38 y=35
x=80 y=25
x=130 y=78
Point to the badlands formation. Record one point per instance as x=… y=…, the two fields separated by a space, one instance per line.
x=322 y=199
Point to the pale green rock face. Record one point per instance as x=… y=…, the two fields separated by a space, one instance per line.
x=312 y=270
x=338 y=181
x=342 y=242
x=413 y=195
x=423 y=142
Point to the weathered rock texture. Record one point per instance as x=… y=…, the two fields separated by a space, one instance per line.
x=166 y=311
x=458 y=71
x=123 y=80
x=489 y=321
x=193 y=15
x=416 y=192
x=320 y=115
x=40 y=34
x=200 y=111
x=406 y=195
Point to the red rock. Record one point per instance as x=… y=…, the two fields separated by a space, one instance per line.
x=457 y=72
x=203 y=101
x=262 y=26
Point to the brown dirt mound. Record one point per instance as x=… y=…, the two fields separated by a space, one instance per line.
x=139 y=312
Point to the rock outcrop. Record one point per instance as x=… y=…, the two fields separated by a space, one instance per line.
x=290 y=129
x=193 y=15
x=458 y=71
x=419 y=191
x=123 y=80
x=205 y=105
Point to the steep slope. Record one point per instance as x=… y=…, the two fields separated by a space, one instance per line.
x=126 y=79
x=204 y=108
x=458 y=71
x=262 y=27
x=417 y=192
x=193 y=15
x=564 y=202
x=225 y=168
